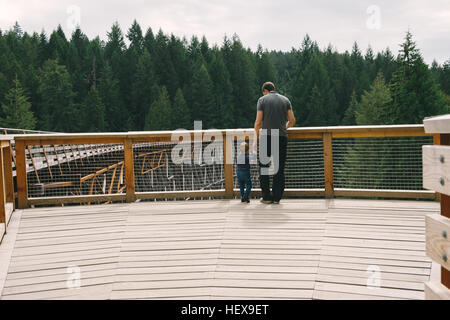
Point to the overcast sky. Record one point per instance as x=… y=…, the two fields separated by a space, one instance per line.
x=278 y=25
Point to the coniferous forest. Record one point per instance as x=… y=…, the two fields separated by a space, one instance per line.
x=69 y=83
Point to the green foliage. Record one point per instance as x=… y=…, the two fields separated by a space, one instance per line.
x=17 y=109
x=93 y=112
x=181 y=115
x=375 y=106
x=219 y=85
x=159 y=117
x=56 y=111
x=414 y=92
x=223 y=93
x=202 y=92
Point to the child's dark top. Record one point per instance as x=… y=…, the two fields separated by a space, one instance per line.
x=243 y=162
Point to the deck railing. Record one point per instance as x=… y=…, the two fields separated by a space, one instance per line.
x=356 y=161
x=6 y=183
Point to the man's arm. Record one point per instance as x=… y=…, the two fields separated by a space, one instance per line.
x=291 y=119
x=258 y=125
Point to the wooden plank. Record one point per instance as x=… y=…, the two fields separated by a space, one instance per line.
x=328 y=165
x=436 y=291
x=9 y=180
x=436 y=168
x=22 y=187
x=330 y=295
x=2 y=231
x=384 y=283
x=2 y=190
x=419 y=278
x=439 y=124
x=438 y=242
x=75 y=199
x=313 y=192
x=179 y=194
x=406 y=194
x=356 y=289
x=129 y=170
x=228 y=166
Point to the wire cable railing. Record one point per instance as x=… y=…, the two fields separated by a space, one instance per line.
x=330 y=161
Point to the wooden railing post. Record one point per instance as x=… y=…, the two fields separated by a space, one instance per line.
x=445 y=211
x=228 y=166
x=437 y=141
x=9 y=181
x=2 y=189
x=129 y=169
x=21 y=174
x=328 y=164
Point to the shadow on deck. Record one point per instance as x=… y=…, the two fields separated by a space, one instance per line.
x=301 y=249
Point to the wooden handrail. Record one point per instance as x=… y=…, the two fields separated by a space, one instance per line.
x=441 y=126
x=127 y=139
x=6 y=183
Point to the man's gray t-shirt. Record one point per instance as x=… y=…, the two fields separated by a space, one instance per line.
x=274 y=107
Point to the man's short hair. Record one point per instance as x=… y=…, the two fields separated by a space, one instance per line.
x=269 y=86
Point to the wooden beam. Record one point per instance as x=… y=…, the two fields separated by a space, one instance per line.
x=129 y=169
x=370 y=193
x=436 y=168
x=445 y=200
x=439 y=124
x=2 y=189
x=180 y=194
x=48 y=163
x=328 y=164
x=77 y=199
x=34 y=165
x=437 y=241
x=228 y=166
x=289 y=192
x=57 y=159
x=9 y=180
x=21 y=174
x=436 y=291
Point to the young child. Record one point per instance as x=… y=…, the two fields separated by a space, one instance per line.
x=243 y=172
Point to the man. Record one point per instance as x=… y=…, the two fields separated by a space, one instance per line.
x=274 y=116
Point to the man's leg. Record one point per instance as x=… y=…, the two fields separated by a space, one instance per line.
x=279 y=178
x=241 y=183
x=264 y=178
x=249 y=185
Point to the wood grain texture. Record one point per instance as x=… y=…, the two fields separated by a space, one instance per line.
x=300 y=249
x=436 y=168
x=437 y=239
x=436 y=291
x=439 y=124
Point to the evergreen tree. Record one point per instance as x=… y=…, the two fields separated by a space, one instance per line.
x=244 y=82
x=144 y=90
x=415 y=94
x=164 y=67
x=220 y=77
x=203 y=105
x=375 y=106
x=444 y=77
x=181 y=115
x=17 y=109
x=159 y=117
x=109 y=92
x=349 y=117
x=318 y=104
x=93 y=112
x=57 y=111
x=265 y=68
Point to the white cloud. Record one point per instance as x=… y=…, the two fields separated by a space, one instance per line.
x=278 y=25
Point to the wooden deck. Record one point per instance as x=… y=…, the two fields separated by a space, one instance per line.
x=301 y=249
